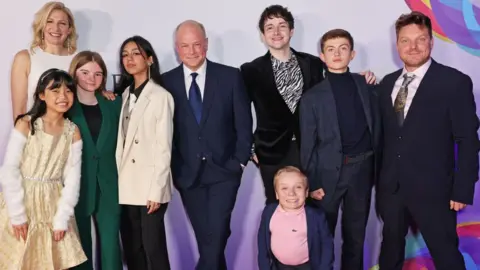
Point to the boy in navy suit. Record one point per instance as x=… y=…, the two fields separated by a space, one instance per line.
x=339 y=124
x=292 y=235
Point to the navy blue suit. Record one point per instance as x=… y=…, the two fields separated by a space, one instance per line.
x=207 y=156
x=421 y=172
x=320 y=242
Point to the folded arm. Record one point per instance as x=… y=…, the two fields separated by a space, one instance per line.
x=160 y=187
x=71 y=185
x=465 y=124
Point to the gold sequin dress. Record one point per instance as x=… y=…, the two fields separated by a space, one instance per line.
x=42 y=166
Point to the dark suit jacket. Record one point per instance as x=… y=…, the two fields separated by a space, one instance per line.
x=275 y=122
x=420 y=156
x=224 y=136
x=321 y=149
x=320 y=242
x=98 y=160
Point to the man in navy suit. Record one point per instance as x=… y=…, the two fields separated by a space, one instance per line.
x=212 y=140
x=427 y=108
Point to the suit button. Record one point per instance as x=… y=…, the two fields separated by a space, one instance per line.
x=338 y=168
x=398 y=156
x=94 y=157
x=133 y=160
x=399 y=137
x=136 y=141
x=199 y=137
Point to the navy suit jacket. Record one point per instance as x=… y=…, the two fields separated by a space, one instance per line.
x=223 y=139
x=320 y=241
x=420 y=157
x=321 y=148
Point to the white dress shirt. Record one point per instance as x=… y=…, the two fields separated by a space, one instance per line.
x=202 y=73
x=413 y=86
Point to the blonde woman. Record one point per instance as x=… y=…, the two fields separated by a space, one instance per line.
x=53 y=46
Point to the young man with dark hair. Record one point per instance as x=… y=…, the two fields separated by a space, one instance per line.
x=340 y=134
x=427 y=109
x=275 y=82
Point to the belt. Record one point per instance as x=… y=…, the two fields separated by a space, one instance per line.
x=349 y=159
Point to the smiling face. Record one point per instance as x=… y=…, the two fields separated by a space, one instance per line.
x=58 y=99
x=277 y=33
x=414 y=45
x=191 y=45
x=57 y=28
x=89 y=77
x=291 y=190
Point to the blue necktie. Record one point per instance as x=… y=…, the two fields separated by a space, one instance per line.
x=195 y=98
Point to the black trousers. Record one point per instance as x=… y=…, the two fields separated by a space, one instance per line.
x=143 y=237
x=209 y=208
x=435 y=221
x=353 y=193
x=292 y=158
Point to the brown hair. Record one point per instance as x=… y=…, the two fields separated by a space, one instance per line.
x=336 y=33
x=414 y=17
x=85 y=57
x=40 y=20
x=289 y=169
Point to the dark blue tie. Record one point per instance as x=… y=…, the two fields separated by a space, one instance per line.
x=195 y=98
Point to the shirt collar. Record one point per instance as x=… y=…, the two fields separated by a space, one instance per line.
x=200 y=71
x=292 y=59
x=139 y=89
x=420 y=71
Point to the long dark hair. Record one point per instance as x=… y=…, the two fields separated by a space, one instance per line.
x=39 y=108
x=145 y=47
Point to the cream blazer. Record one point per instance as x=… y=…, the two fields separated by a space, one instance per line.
x=143 y=157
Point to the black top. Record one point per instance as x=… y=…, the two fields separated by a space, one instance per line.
x=350 y=113
x=139 y=89
x=93 y=116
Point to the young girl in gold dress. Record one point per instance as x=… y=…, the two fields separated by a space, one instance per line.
x=40 y=181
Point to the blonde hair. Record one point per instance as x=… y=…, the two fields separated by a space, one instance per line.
x=289 y=169
x=85 y=57
x=40 y=21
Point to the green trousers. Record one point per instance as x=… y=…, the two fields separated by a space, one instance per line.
x=108 y=242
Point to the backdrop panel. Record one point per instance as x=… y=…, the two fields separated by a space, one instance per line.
x=234 y=39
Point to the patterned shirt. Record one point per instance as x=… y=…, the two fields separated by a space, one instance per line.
x=289 y=80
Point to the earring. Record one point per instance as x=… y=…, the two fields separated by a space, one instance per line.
x=149 y=70
x=69 y=46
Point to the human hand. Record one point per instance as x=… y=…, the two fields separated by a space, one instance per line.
x=109 y=95
x=58 y=235
x=457 y=206
x=317 y=194
x=21 y=231
x=152 y=206
x=369 y=76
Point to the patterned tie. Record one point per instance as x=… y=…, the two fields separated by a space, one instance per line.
x=401 y=98
x=195 y=98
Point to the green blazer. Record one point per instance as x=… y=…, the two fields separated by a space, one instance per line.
x=99 y=168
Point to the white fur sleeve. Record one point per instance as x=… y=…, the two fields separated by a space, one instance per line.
x=71 y=188
x=11 y=178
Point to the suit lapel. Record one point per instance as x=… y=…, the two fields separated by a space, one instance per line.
x=79 y=119
x=270 y=84
x=209 y=91
x=330 y=106
x=106 y=124
x=304 y=64
x=137 y=113
x=419 y=93
x=364 y=94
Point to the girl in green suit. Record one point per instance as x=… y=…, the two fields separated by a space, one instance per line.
x=97 y=118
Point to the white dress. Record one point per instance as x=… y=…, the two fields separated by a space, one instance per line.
x=40 y=62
